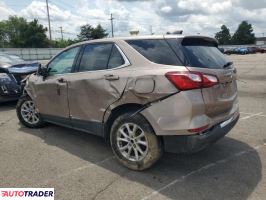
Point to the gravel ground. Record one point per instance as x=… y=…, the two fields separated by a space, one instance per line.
x=81 y=166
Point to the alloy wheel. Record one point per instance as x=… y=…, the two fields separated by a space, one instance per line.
x=132 y=142
x=29 y=113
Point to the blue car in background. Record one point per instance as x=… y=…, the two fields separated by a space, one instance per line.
x=230 y=51
x=239 y=50
x=242 y=51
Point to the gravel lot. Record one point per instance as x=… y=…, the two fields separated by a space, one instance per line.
x=81 y=166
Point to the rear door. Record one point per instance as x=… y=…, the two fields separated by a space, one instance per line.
x=97 y=84
x=202 y=55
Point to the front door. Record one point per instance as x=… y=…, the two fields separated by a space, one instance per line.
x=51 y=94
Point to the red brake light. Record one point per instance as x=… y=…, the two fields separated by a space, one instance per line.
x=209 y=80
x=197 y=130
x=191 y=80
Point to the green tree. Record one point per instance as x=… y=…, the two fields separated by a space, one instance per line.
x=244 y=34
x=3 y=34
x=63 y=43
x=17 y=32
x=223 y=37
x=87 y=32
x=14 y=29
x=35 y=35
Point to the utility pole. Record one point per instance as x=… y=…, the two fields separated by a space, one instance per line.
x=112 y=26
x=151 y=30
x=61 y=30
x=48 y=16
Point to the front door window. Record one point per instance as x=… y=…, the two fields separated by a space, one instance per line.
x=63 y=62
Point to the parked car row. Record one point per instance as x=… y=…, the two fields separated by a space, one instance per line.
x=242 y=50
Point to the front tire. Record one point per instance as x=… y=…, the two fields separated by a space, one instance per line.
x=134 y=143
x=27 y=113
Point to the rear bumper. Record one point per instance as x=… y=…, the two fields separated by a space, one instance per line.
x=198 y=142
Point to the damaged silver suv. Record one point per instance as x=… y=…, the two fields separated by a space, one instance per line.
x=146 y=95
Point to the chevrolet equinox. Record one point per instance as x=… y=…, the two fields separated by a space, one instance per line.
x=146 y=95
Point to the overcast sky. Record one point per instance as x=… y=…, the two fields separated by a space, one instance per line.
x=159 y=16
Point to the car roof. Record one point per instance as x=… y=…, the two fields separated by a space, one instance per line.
x=143 y=37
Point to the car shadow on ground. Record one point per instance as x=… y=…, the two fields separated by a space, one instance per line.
x=230 y=169
x=7 y=106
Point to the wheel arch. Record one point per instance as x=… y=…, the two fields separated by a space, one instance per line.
x=116 y=112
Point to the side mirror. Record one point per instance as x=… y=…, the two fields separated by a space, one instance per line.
x=42 y=71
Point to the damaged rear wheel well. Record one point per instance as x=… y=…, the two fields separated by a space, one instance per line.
x=116 y=112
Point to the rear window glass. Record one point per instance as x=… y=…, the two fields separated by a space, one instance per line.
x=199 y=53
x=116 y=58
x=95 y=57
x=157 y=51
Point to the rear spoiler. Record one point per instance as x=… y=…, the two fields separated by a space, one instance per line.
x=194 y=40
x=199 y=40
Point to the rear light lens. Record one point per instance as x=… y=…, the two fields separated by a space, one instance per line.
x=191 y=80
x=209 y=80
x=197 y=130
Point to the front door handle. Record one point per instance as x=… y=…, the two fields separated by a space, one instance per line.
x=111 y=77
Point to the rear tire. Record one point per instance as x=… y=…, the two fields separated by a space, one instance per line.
x=134 y=143
x=27 y=113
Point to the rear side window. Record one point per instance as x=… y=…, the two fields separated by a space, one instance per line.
x=199 y=53
x=116 y=58
x=157 y=51
x=95 y=57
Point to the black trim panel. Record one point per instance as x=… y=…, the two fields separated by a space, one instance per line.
x=91 y=127
x=196 y=143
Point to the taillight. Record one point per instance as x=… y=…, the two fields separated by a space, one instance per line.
x=209 y=80
x=199 y=129
x=191 y=80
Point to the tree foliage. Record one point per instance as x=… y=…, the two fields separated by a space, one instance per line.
x=17 y=32
x=87 y=32
x=244 y=34
x=224 y=36
x=63 y=43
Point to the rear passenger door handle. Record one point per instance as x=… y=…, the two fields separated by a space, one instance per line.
x=111 y=77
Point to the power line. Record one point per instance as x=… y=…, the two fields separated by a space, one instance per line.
x=64 y=32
